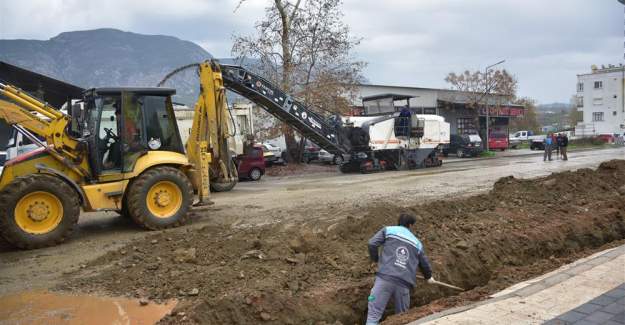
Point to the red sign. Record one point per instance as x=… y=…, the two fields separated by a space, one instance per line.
x=505 y=111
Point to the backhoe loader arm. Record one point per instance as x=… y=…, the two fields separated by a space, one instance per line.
x=25 y=111
x=207 y=147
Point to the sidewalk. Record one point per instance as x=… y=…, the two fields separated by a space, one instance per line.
x=516 y=153
x=588 y=291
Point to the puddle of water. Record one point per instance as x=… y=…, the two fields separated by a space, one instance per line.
x=43 y=307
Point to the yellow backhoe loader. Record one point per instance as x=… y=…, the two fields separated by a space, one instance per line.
x=117 y=149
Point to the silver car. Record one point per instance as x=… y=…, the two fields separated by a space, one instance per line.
x=326 y=157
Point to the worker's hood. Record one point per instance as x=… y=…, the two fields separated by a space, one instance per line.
x=50 y=90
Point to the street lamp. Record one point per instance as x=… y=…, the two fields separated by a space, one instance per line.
x=486 y=96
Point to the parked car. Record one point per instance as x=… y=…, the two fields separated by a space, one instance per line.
x=607 y=138
x=522 y=135
x=514 y=143
x=277 y=151
x=251 y=165
x=464 y=145
x=311 y=152
x=538 y=142
x=270 y=158
x=498 y=139
x=326 y=157
x=273 y=155
x=19 y=144
x=519 y=137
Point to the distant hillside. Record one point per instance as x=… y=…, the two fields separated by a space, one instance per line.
x=109 y=57
x=554 y=114
x=553 y=107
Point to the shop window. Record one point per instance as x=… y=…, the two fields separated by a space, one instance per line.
x=466 y=125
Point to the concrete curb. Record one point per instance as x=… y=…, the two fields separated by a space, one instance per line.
x=530 y=287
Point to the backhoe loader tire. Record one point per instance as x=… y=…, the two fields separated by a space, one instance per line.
x=160 y=198
x=222 y=187
x=124 y=212
x=38 y=210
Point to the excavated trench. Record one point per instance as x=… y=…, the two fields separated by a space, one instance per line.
x=290 y=274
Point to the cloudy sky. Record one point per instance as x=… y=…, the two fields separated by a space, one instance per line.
x=405 y=42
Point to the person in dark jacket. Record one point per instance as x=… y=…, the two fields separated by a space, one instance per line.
x=402 y=254
x=402 y=124
x=564 y=142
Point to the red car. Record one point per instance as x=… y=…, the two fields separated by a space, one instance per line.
x=497 y=139
x=251 y=165
x=607 y=138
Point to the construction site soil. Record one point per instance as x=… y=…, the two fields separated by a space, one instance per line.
x=287 y=273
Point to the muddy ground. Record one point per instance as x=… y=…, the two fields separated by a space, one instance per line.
x=318 y=273
x=296 y=199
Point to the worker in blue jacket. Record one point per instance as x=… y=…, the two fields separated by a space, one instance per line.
x=402 y=254
x=548 y=147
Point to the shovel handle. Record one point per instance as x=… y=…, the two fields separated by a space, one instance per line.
x=443 y=284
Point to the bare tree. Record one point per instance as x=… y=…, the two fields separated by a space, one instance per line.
x=476 y=85
x=305 y=47
x=529 y=120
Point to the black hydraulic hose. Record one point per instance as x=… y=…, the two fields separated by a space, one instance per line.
x=175 y=71
x=234 y=125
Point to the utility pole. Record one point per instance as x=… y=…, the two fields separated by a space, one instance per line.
x=486 y=96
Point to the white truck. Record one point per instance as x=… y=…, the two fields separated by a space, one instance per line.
x=524 y=136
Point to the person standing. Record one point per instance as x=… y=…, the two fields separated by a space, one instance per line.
x=563 y=144
x=557 y=144
x=548 y=147
x=402 y=254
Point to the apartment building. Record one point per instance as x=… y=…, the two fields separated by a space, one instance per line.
x=600 y=96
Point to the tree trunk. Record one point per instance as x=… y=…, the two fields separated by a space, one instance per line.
x=287 y=67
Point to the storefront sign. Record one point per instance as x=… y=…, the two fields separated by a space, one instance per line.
x=503 y=111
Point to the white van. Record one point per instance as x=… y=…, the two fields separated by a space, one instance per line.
x=19 y=145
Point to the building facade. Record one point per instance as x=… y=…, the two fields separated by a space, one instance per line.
x=454 y=106
x=600 y=96
x=242 y=115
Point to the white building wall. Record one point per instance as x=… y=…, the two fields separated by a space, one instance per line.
x=240 y=113
x=606 y=99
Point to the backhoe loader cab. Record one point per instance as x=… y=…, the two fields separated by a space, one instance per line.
x=122 y=124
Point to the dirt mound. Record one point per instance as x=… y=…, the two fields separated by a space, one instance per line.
x=286 y=274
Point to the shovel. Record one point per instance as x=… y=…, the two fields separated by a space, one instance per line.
x=443 y=284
